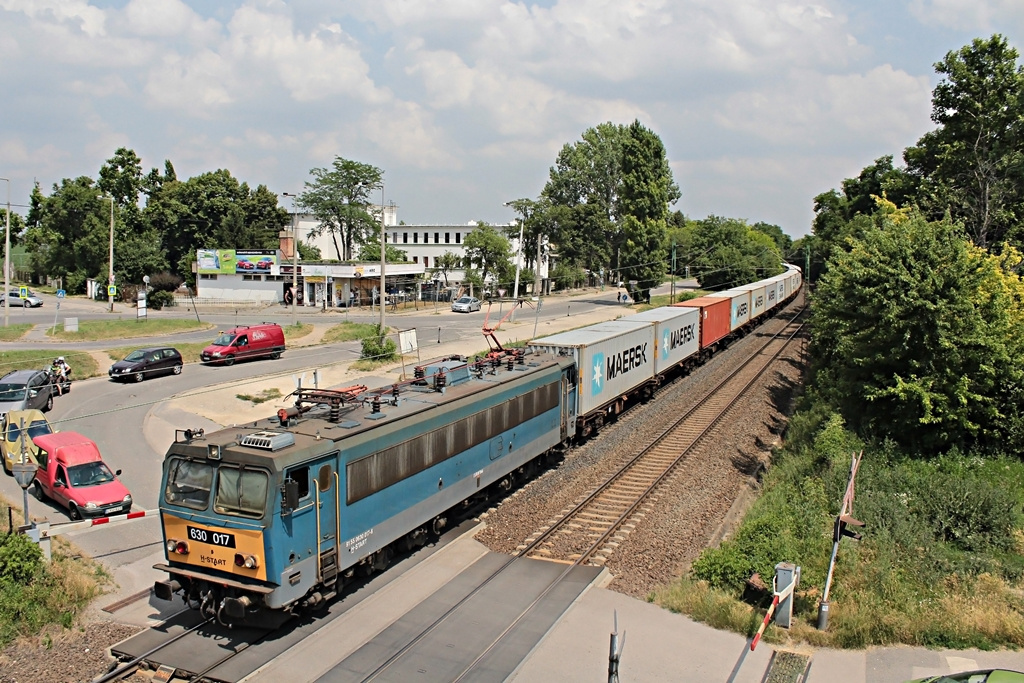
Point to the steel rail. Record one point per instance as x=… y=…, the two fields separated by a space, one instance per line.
x=430 y=628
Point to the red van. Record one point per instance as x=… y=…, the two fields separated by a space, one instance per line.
x=71 y=472
x=248 y=341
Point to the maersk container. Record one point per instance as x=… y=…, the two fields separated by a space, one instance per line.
x=739 y=306
x=677 y=334
x=757 y=298
x=612 y=358
x=780 y=285
x=714 y=318
x=772 y=292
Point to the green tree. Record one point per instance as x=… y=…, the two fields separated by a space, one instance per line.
x=971 y=165
x=370 y=251
x=726 y=252
x=646 y=191
x=917 y=336
x=783 y=241
x=339 y=198
x=488 y=249
x=212 y=210
x=74 y=232
x=609 y=196
x=446 y=263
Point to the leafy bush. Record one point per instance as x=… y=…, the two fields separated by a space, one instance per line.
x=165 y=282
x=378 y=347
x=21 y=560
x=158 y=299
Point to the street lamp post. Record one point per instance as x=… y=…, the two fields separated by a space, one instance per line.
x=295 y=256
x=7 y=258
x=110 y=272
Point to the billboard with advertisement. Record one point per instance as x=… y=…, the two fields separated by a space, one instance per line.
x=253 y=261
x=215 y=260
x=249 y=261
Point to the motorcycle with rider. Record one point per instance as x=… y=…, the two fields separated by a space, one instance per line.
x=60 y=375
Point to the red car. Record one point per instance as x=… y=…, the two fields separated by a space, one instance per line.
x=265 y=264
x=245 y=265
x=72 y=473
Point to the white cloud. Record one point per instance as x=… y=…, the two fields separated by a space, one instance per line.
x=168 y=19
x=405 y=132
x=810 y=109
x=969 y=15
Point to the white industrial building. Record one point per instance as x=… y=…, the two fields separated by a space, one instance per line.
x=330 y=283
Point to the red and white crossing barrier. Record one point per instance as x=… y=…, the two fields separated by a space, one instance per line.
x=779 y=596
x=764 y=624
x=86 y=523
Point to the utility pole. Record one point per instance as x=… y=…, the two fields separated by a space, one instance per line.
x=110 y=274
x=536 y=268
x=295 y=257
x=673 y=299
x=7 y=263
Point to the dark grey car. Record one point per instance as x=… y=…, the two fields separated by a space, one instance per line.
x=143 y=363
x=25 y=389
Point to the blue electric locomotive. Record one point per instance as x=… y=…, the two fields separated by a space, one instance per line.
x=278 y=515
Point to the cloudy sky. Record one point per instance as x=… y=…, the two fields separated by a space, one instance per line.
x=464 y=104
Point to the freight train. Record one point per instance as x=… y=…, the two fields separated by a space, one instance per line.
x=280 y=515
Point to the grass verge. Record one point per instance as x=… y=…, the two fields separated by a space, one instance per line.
x=941 y=562
x=82 y=363
x=97 y=330
x=35 y=594
x=347 y=331
x=15 y=332
x=261 y=397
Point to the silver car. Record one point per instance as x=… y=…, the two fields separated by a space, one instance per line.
x=466 y=304
x=30 y=300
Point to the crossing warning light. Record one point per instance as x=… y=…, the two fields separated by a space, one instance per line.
x=841 y=528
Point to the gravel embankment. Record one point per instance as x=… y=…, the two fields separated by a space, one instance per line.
x=692 y=508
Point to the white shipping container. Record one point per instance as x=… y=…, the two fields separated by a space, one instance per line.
x=772 y=292
x=739 y=309
x=676 y=334
x=613 y=359
x=757 y=298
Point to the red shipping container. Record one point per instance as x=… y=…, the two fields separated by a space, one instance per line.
x=714 y=318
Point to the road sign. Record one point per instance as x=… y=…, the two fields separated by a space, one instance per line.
x=60 y=293
x=23 y=292
x=111 y=290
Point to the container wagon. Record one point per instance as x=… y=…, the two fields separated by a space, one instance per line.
x=616 y=364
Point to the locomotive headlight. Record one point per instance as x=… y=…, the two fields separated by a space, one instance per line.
x=246 y=561
x=177 y=547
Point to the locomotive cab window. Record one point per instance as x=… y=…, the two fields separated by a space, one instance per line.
x=189 y=484
x=300 y=475
x=241 y=491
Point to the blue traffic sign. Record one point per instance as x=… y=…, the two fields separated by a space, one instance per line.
x=60 y=293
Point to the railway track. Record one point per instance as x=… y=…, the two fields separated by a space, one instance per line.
x=590 y=530
x=594 y=527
